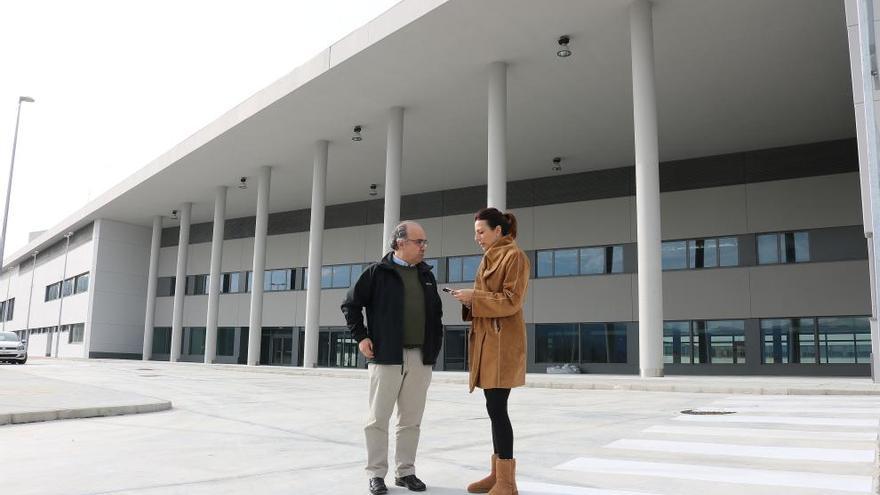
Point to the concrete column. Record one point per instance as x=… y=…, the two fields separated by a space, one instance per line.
x=316 y=246
x=496 y=190
x=214 y=276
x=152 y=282
x=393 y=166
x=255 y=330
x=647 y=191
x=864 y=65
x=185 y=212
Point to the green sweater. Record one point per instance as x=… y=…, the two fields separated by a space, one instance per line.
x=413 y=306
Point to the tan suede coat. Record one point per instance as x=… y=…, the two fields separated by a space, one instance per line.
x=497 y=350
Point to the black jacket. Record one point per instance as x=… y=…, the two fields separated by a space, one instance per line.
x=380 y=290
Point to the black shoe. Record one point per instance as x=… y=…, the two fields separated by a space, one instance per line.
x=411 y=482
x=377 y=486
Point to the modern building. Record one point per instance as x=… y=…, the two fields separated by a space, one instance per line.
x=690 y=177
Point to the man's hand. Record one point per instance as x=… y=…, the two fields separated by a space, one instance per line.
x=366 y=347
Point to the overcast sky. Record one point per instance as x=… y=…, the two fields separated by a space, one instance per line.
x=117 y=83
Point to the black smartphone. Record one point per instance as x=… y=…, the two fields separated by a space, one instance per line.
x=447 y=289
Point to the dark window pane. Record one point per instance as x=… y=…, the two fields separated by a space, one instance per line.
x=356 y=271
x=162 y=340
x=592 y=261
x=677 y=346
x=277 y=280
x=556 y=343
x=616 y=256
x=196 y=340
x=788 y=340
x=565 y=262
x=844 y=340
x=768 y=249
x=225 y=341
x=674 y=255
x=82 y=283
x=545 y=263
x=801 y=247
x=68 y=287
x=702 y=253
x=725 y=340
x=603 y=343
x=232 y=283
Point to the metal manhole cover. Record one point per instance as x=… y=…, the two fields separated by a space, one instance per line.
x=706 y=413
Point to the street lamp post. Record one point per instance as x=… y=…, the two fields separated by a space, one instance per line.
x=21 y=99
x=61 y=301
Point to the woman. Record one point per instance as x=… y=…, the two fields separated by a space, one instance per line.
x=497 y=351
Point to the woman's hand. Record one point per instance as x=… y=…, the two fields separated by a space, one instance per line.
x=464 y=296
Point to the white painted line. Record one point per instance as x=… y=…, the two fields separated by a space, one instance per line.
x=790 y=420
x=837 y=399
x=793 y=408
x=535 y=488
x=765 y=433
x=736 y=450
x=822 y=481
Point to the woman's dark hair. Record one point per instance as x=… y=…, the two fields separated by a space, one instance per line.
x=494 y=218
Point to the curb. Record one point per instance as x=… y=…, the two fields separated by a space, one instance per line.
x=84 y=412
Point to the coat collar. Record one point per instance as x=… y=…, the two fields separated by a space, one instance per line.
x=500 y=249
x=388 y=263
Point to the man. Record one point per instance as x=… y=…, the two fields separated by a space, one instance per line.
x=401 y=341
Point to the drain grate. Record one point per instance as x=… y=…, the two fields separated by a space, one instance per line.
x=706 y=413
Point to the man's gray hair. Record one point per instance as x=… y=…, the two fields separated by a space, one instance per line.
x=399 y=233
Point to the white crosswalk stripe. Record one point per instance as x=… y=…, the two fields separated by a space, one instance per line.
x=797 y=443
x=537 y=488
x=846 y=483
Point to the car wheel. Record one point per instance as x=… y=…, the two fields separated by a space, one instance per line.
x=22 y=361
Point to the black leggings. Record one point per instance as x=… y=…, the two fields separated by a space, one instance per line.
x=502 y=431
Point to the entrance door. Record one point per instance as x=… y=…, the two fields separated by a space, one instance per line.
x=455 y=349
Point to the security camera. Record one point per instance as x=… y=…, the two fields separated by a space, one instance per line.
x=373 y=189
x=173 y=213
x=242 y=183
x=557 y=164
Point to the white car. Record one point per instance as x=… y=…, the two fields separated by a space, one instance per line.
x=12 y=349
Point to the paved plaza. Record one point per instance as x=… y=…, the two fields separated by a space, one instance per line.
x=234 y=430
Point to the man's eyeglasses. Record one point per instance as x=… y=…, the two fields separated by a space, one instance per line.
x=419 y=242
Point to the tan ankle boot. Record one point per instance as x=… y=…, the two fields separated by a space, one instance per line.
x=485 y=484
x=505 y=484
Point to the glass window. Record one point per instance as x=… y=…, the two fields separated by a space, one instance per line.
x=545 y=263
x=75 y=336
x=565 y=262
x=592 y=261
x=469 y=265
x=788 y=340
x=795 y=247
x=53 y=291
x=702 y=253
x=556 y=343
x=768 y=249
x=728 y=251
x=277 y=280
x=196 y=340
x=356 y=271
x=614 y=254
x=82 y=283
x=67 y=289
x=225 y=341
x=674 y=255
x=720 y=342
x=326 y=277
x=677 y=346
x=603 y=342
x=8 y=309
x=844 y=340
x=232 y=283
x=165 y=286
x=196 y=285
x=250 y=281
x=162 y=340
x=434 y=262
x=453 y=266
x=341 y=276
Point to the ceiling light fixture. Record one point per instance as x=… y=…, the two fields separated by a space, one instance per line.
x=357 y=134
x=563 y=51
x=557 y=164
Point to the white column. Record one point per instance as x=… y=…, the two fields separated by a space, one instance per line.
x=647 y=191
x=255 y=328
x=496 y=189
x=214 y=276
x=316 y=243
x=393 y=166
x=861 y=34
x=185 y=212
x=152 y=282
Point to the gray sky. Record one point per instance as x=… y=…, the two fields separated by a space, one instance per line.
x=117 y=83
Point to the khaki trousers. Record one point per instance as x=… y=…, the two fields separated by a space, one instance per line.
x=407 y=386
